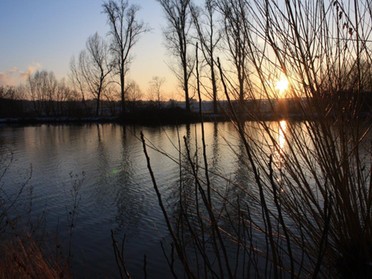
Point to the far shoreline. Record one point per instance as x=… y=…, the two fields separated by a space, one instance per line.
x=146 y=119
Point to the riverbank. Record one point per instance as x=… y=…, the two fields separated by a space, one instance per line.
x=151 y=118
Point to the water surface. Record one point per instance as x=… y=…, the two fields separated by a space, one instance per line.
x=84 y=181
x=115 y=192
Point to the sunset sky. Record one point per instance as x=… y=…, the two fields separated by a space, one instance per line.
x=45 y=34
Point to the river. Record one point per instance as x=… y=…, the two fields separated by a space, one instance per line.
x=81 y=182
x=113 y=189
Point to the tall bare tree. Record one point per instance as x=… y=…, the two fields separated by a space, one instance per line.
x=125 y=31
x=235 y=20
x=177 y=13
x=76 y=79
x=209 y=38
x=94 y=67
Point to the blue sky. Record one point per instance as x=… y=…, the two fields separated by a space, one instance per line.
x=45 y=34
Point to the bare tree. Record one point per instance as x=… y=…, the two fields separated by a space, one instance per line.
x=156 y=84
x=133 y=93
x=177 y=35
x=77 y=79
x=8 y=92
x=235 y=20
x=209 y=38
x=125 y=31
x=63 y=94
x=43 y=86
x=94 y=67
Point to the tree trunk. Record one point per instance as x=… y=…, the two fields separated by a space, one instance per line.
x=214 y=88
x=122 y=90
x=186 y=84
x=187 y=98
x=98 y=105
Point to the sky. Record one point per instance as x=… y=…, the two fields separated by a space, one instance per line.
x=45 y=34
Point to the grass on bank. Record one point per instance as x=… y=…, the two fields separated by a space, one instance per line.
x=24 y=258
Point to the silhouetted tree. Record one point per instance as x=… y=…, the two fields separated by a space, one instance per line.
x=77 y=79
x=133 y=93
x=177 y=35
x=155 y=89
x=209 y=38
x=125 y=31
x=94 y=68
x=8 y=92
x=42 y=87
x=63 y=94
x=235 y=20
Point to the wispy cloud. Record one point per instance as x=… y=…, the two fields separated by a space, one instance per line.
x=15 y=76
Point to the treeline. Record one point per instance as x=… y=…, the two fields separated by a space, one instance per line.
x=44 y=95
x=172 y=111
x=219 y=50
x=59 y=101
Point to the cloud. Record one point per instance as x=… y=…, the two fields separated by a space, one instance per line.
x=14 y=76
x=7 y=79
x=14 y=70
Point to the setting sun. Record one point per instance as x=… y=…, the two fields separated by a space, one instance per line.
x=282 y=85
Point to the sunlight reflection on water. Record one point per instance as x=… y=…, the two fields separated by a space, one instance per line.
x=282 y=134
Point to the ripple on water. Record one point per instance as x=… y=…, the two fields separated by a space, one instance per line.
x=116 y=191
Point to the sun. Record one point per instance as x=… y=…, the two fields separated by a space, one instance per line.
x=282 y=85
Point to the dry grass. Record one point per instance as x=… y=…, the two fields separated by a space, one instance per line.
x=24 y=258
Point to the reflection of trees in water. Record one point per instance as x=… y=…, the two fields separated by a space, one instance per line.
x=236 y=201
x=241 y=217
x=129 y=200
x=116 y=169
x=231 y=198
x=248 y=218
x=102 y=164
